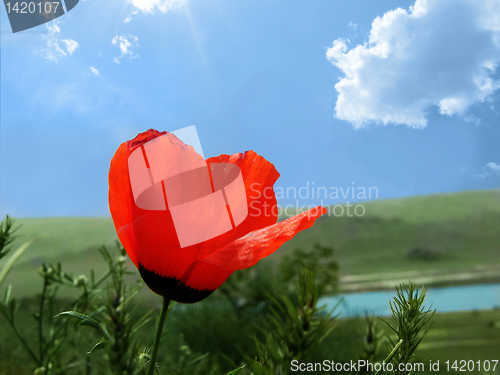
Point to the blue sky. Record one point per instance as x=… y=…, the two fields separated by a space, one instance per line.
x=334 y=93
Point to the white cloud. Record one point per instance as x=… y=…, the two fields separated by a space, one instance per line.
x=489 y=169
x=125 y=44
x=71 y=45
x=52 y=49
x=129 y=17
x=352 y=25
x=148 y=6
x=94 y=71
x=440 y=52
x=493 y=167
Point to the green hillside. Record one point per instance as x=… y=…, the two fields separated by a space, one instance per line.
x=438 y=232
x=435 y=232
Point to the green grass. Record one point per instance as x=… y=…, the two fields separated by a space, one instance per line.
x=437 y=208
x=66 y=236
x=460 y=228
x=470 y=335
x=72 y=241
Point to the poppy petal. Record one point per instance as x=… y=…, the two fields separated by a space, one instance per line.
x=206 y=275
x=209 y=273
x=149 y=234
x=150 y=237
x=248 y=250
x=259 y=176
x=120 y=197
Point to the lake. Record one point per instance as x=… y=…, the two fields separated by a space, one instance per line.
x=456 y=298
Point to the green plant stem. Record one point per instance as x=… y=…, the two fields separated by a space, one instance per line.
x=154 y=354
x=391 y=354
x=102 y=278
x=23 y=341
x=40 y=321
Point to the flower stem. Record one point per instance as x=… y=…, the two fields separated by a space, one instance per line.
x=40 y=321
x=159 y=329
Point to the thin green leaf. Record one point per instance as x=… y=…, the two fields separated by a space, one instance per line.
x=99 y=346
x=13 y=258
x=236 y=370
x=69 y=367
x=87 y=321
x=7 y=295
x=199 y=359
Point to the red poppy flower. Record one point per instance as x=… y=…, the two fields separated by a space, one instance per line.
x=190 y=271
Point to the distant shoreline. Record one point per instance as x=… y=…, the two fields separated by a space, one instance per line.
x=430 y=279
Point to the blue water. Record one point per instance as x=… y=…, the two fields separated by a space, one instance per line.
x=456 y=298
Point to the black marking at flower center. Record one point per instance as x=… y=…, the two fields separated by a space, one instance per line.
x=170 y=287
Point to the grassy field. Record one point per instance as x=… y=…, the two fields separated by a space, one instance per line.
x=450 y=234
x=443 y=239
x=457 y=336
x=454 y=231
